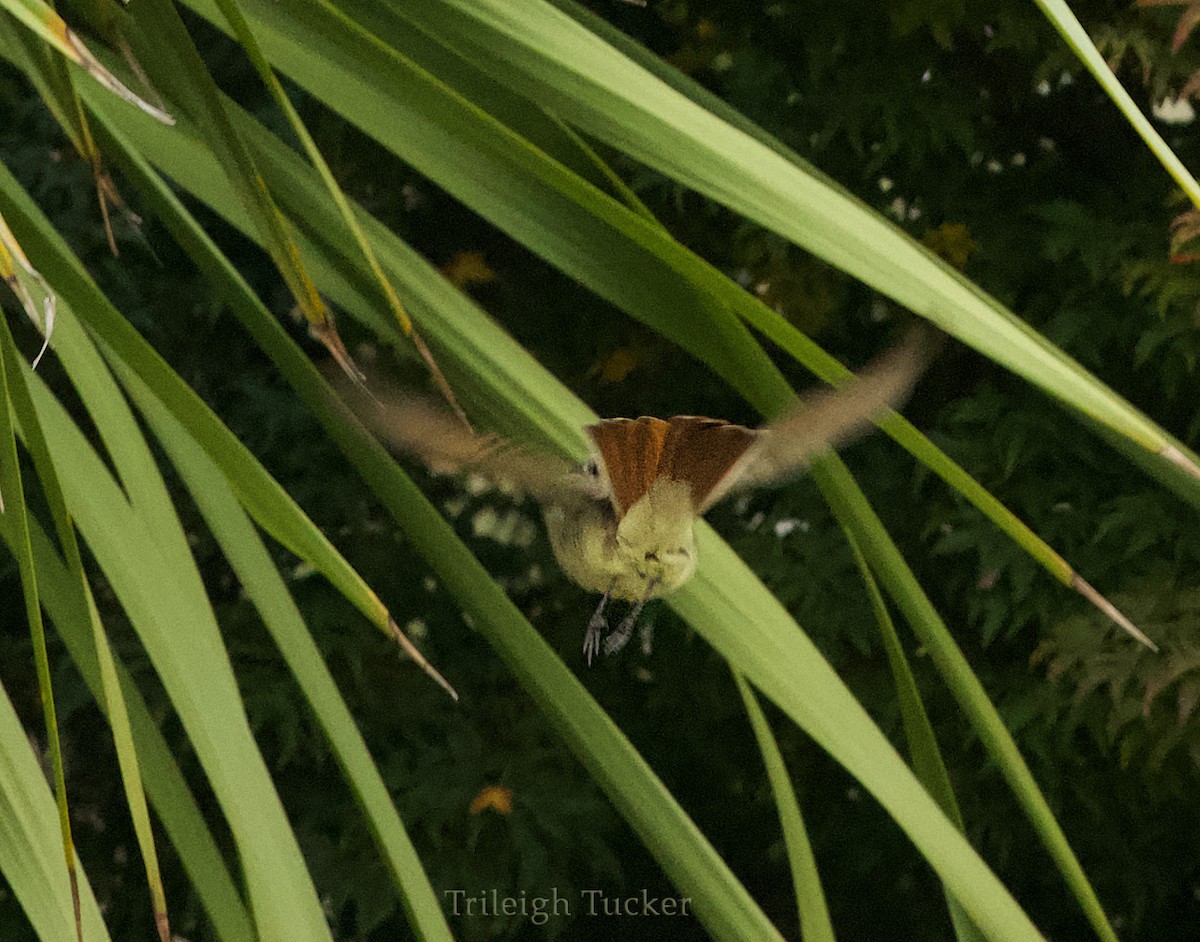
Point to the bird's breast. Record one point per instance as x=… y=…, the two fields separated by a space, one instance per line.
x=595 y=553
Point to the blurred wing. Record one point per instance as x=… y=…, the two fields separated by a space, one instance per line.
x=413 y=425
x=832 y=418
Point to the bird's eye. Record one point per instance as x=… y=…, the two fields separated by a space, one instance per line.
x=592 y=469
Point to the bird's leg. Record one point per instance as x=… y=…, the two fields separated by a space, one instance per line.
x=621 y=634
x=595 y=628
x=647 y=636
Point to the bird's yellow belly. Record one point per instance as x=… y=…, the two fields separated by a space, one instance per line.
x=591 y=555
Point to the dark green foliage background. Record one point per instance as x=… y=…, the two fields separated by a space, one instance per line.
x=977 y=116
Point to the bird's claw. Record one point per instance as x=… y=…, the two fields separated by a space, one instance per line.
x=591 y=638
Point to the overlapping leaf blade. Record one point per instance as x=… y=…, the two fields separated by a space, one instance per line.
x=144 y=553
x=963 y=870
x=32 y=861
x=549 y=411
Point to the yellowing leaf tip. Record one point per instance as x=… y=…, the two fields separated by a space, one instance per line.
x=1084 y=588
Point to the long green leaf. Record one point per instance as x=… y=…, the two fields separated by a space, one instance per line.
x=969 y=879
x=113 y=701
x=815 y=925
x=364 y=82
x=970 y=882
x=387 y=293
x=893 y=571
x=48 y=26
x=26 y=282
x=167 y=605
x=552 y=59
x=32 y=861
x=177 y=809
x=16 y=513
x=250 y=560
x=922 y=744
x=1075 y=36
x=165 y=48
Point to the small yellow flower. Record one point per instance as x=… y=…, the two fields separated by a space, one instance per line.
x=617 y=365
x=468 y=268
x=953 y=242
x=496 y=797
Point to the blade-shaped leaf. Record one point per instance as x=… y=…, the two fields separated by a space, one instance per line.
x=47 y=25
x=27 y=283
x=166 y=603
x=815 y=925
x=536 y=213
x=177 y=809
x=16 y=516
x=32 y=861
x=113 y=701
x=458 y=339
x=1073 y=33
x=552 y=59
x=249 y=558
x=922 y=744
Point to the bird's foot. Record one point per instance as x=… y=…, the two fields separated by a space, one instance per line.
x=647 y=636
x=596 y=627
x=621 y=634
